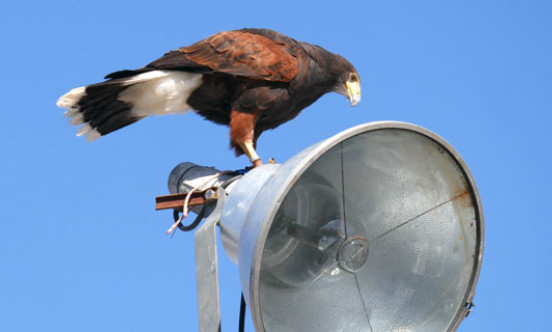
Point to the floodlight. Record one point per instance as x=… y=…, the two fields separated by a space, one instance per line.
x=378 y=228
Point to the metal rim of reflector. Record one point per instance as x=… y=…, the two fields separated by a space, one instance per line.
x=260 y=218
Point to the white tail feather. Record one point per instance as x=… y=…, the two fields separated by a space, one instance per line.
x=84 y=130
x=71 y=98
x=93 y=135
x=77 y=119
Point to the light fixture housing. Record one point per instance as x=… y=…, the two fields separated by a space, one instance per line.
x=378 y=228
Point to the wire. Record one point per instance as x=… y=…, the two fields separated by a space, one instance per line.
x=242 y=314
x=187 y=228
x=185 y=209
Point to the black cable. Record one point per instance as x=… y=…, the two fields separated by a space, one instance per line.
x=242 y=314
x=187 y=228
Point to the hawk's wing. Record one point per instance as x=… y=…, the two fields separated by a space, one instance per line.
x=236 y=53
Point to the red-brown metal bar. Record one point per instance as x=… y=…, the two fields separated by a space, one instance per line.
x=176 y=201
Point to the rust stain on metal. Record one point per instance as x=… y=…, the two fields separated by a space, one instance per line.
x=465 y=198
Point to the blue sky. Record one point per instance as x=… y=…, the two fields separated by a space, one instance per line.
x=81 y=247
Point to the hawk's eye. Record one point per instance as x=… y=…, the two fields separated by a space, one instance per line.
x=353 y=78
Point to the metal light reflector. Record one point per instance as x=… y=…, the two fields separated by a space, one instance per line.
x=378 y=228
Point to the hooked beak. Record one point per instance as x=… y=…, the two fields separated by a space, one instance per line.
x=353 y=92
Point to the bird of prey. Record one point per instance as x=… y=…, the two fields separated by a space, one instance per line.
x=251 y=80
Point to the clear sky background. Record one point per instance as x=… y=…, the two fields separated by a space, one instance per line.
x=81 y=247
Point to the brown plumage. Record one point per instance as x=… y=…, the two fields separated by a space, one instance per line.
x=251 y=80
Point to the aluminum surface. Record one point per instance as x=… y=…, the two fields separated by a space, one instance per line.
x=240 y=198
x=267 y=204
x=207 y=267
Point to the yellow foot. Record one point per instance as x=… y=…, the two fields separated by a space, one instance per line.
x=249 y=150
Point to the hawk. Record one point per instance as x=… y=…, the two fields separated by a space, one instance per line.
x=251 y=80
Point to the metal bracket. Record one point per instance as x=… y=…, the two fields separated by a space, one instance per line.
x=176 y=201
x=207 y=266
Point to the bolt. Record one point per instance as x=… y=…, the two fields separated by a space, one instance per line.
x=210 y=194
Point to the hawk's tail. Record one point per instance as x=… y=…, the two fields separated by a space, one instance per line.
x=126 y=98
x=98 y=108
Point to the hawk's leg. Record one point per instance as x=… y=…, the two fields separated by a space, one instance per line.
x=242 y=135
x=249 y=150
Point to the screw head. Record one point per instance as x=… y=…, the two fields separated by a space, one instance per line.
x=353 y=253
